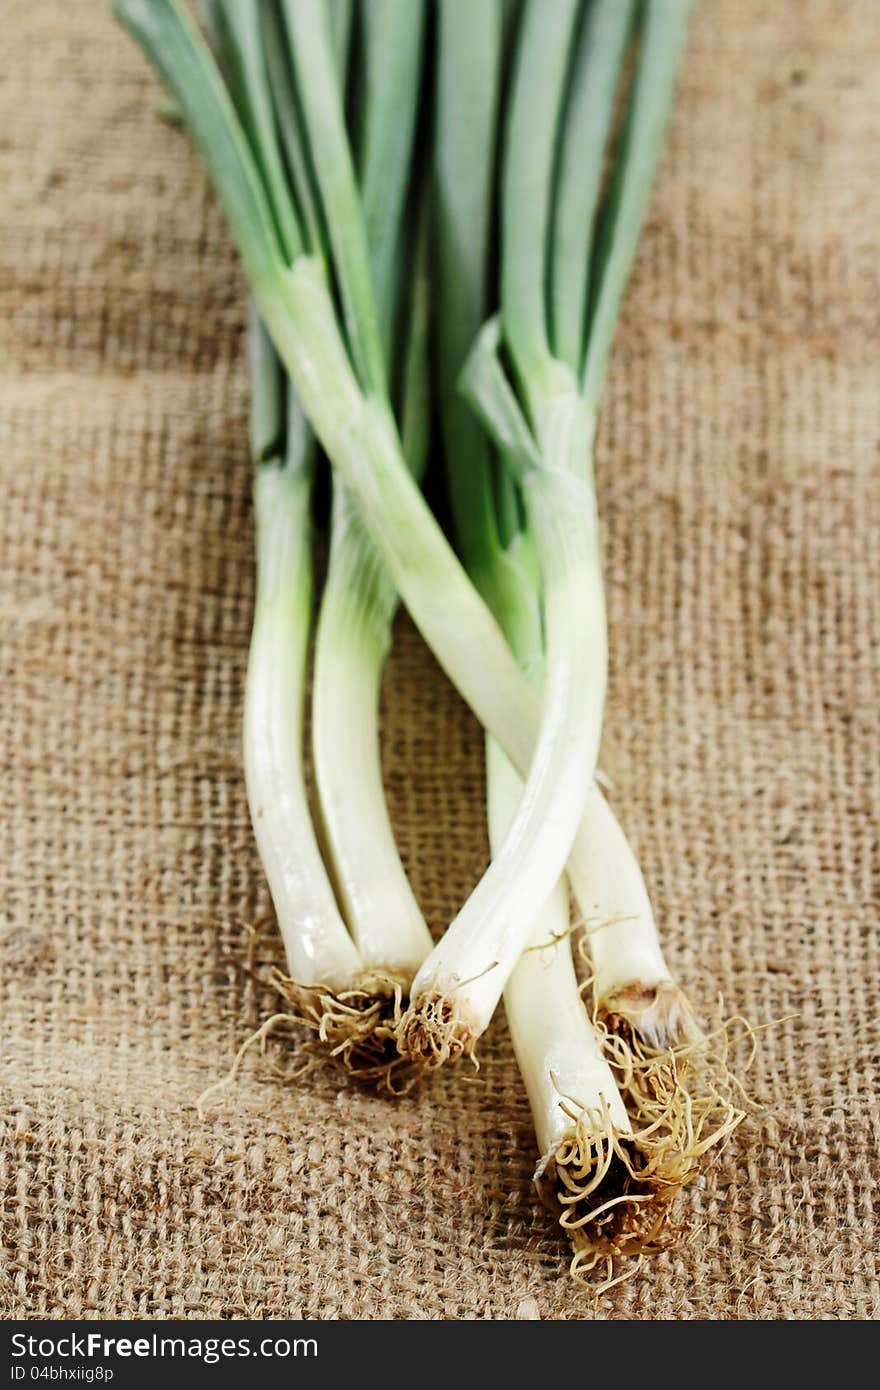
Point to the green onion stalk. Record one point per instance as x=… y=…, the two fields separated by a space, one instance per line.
x=559 y=307
x=321 y=955
x=359 y=599
x=610 y=1188
x=455 y=993
x=610 y=1184
x=344 y=989
x=542 y=418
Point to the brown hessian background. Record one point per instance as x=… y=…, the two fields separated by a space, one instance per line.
x=739 y=490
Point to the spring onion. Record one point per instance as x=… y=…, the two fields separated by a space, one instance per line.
x=359 y=599
x=633 y=984
x=346 y=400
x=455 y=993
x=611 y=1189
x=320 y=256
x=544 y=421
x=353 y=631
x=321 y=955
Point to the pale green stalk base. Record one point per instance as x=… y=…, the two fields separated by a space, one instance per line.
x=347 y=1006
x=558 y=1052
x=458 y=988
x=352 y=643
x=319 y=950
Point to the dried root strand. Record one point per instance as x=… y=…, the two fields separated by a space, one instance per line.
x=675 y=1079
x=433 y=1031
x=353 y=1030
x=613 y=1192
x=685 y=1092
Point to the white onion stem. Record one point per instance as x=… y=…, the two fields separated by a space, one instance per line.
x=317 y=944
x=354 y=634
x=559 y=1055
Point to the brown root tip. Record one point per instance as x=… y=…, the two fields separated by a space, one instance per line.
x=613 y=1193
x=352 y=1028
x=658 y=1013
x=434 y=1030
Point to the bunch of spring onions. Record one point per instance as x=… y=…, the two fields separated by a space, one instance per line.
x=437 y=203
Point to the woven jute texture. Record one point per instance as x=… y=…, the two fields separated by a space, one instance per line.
x=741 y=514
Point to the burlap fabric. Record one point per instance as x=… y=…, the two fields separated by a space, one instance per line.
x=739 y=490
